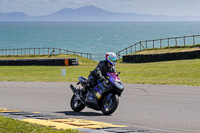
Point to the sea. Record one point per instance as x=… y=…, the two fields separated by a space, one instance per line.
x=95 y=38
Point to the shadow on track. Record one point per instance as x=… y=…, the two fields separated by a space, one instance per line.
x=72 y=113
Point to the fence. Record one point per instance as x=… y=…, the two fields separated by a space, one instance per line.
x=159 y=43
x=41 y=51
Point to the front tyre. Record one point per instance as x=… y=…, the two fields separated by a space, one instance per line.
x=109 y=106
x=76 y=104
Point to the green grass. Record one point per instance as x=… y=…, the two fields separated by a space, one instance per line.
x=172 y=49
x=9 y=125
x=42 y=73
x=182 y=72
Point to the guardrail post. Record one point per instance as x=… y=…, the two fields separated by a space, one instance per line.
x=118 y=54
x=168 y=42
x=135 y=48
x=176 y=41
x=59 y=51
x=193 y=40
x=184 y=40
x=140 y=45
x=39 y=51
x=146 y=44
x=131 y=49
x=153 y=44
x=160 y=43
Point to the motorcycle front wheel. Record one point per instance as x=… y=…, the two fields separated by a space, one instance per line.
x=109 y=106
x=76 y=104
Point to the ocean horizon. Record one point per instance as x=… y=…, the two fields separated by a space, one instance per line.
x=95 y=38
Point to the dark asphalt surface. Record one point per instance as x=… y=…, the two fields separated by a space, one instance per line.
x=157 y=107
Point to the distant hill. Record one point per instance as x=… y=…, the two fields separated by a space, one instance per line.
x=92 y=13
x=14 y=16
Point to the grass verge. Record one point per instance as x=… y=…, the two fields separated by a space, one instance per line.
x=181 y=72
x=9 y=125
x=173 y=49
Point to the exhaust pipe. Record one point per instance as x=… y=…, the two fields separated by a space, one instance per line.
x=74 y=90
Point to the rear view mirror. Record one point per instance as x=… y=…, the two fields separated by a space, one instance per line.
x=118 y=73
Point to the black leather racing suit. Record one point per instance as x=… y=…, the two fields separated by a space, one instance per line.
x=100 y=72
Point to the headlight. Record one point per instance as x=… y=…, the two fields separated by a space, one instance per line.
x=119 y=85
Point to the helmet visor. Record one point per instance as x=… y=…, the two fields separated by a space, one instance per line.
x=113 y=60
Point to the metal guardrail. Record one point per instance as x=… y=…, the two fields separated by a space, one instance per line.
x=41 y=51
x=158 y=43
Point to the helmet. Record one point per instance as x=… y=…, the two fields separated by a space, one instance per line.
x=111 y=58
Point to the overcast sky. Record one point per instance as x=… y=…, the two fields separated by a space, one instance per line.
x=156 y=7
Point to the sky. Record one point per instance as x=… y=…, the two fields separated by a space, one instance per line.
x=154 y=7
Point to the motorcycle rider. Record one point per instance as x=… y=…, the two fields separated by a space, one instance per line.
x=106 y=96
x=107 y=65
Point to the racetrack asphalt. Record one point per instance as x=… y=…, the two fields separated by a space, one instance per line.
x=167 y=108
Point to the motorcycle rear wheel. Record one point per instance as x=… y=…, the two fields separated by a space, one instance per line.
x=108 y=107
x=76 y=104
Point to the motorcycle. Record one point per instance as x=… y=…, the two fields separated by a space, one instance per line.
x=103 y=97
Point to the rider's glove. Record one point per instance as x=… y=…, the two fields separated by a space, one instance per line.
x=98 y=72
x=101 y=78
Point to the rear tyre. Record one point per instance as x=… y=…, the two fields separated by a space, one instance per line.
x=76 y=104
x=108 y=107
